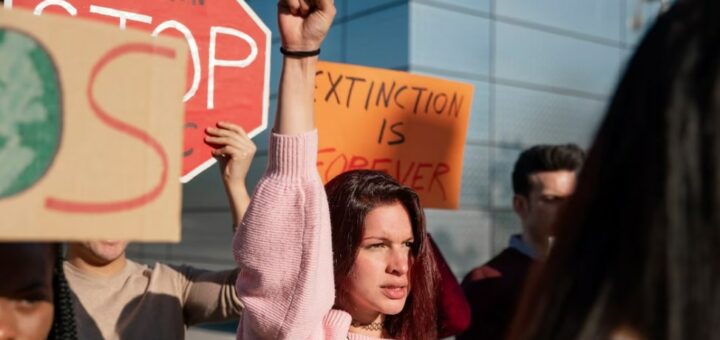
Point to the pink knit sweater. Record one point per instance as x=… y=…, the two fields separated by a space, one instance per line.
x=284 y=251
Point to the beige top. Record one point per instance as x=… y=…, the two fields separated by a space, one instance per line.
x=144 y=302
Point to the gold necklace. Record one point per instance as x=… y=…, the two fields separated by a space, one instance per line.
x=375 y=326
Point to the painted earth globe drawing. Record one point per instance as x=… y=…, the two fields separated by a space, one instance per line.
x=30 y=112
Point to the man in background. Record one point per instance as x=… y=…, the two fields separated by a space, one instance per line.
x=543 y=179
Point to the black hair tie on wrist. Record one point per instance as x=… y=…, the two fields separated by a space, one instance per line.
x=299 y=54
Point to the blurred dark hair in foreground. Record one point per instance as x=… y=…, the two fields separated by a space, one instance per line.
x=638 y=248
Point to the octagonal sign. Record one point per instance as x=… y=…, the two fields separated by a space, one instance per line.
x=229 y=68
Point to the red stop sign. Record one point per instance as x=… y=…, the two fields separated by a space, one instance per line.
x=229 y=72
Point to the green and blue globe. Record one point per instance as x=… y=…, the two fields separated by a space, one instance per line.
x=30 y=112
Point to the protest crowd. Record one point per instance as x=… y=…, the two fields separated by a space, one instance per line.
x=621 y=241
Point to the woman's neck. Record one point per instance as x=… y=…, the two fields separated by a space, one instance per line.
x=368 y=326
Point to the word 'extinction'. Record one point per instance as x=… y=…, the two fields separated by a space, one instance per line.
x=371 y=94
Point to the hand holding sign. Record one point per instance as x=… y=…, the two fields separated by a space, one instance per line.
x=235 y=151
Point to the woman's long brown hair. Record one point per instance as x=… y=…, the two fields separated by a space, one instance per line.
x=351 y=196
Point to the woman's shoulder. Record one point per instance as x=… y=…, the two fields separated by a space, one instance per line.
x=337 y=324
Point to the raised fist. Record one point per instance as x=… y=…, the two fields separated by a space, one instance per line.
x=304 y=23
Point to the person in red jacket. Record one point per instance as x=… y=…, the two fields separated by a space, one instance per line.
x=543 y=178
x=453 y=308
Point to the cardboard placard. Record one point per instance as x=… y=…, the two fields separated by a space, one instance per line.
x=228 y=65
x=412 y=127
x=90 y=130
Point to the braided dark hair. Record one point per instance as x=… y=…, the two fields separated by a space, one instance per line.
x=63 y=327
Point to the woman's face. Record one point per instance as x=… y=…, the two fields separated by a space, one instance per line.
x=26 y=293
x=378 y=281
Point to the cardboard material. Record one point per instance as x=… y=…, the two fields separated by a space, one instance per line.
x=90 y=130
x=228 y=65
x=412 y=127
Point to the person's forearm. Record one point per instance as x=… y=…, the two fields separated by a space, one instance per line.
x=295 y=113
x=210 y=296
x=239 y=200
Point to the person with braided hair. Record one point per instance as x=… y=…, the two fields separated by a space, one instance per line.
x=35 y=300
x=63 y=327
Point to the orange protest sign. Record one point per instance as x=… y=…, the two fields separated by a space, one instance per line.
x=412 y=127
x=90 y=131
